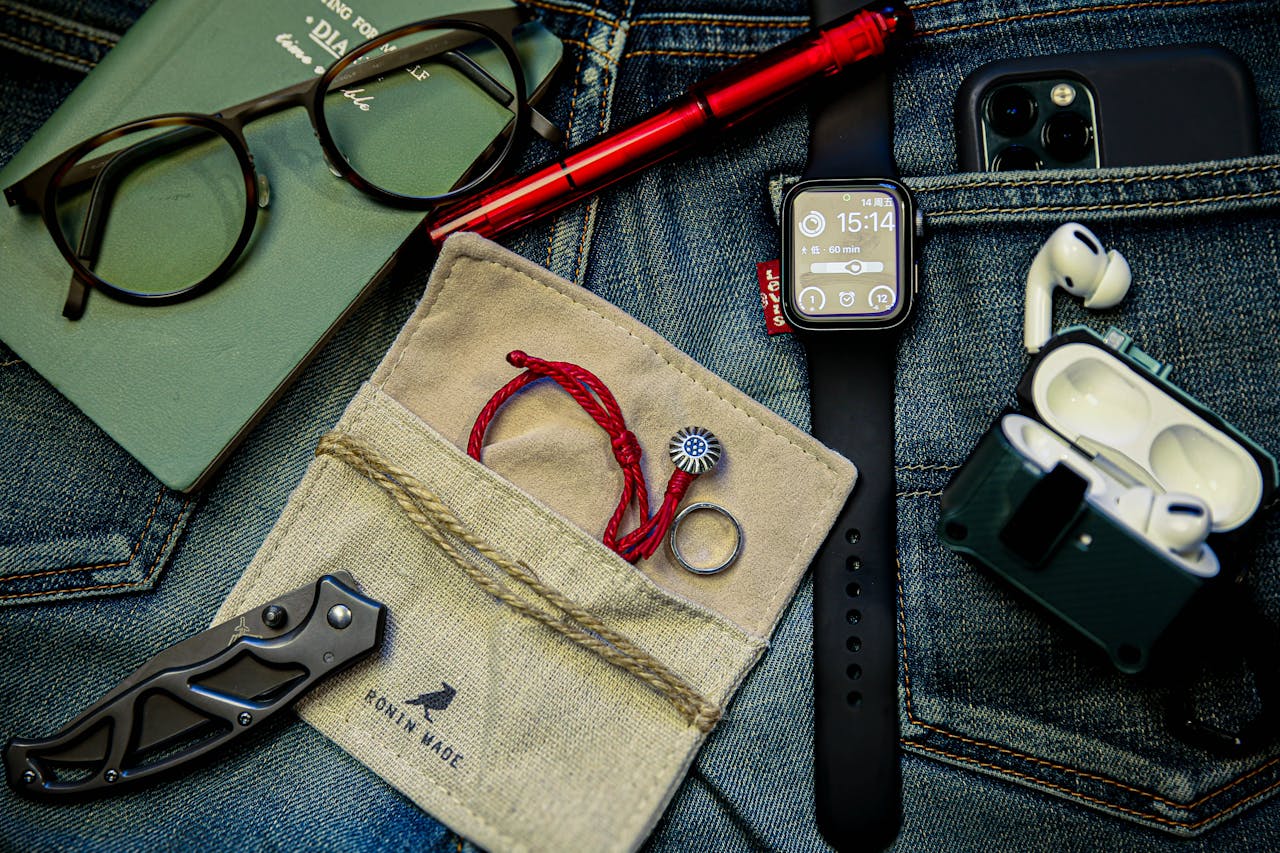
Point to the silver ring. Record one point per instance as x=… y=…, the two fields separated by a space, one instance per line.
x=675 y=547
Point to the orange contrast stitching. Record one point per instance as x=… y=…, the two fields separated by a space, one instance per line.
x=10 y=363
x=594 y=14
x=720 y=22
x=1134 y=205
x=136 y=545
x=586 y=216
x=42 y=49
x=1077 y=182
x=597 y=51
x=1058 y=13
x=1144 y=815
x=707 y=54
x=50 y=25
x=591 y=13
x=911 y=716
x=186 y=503
x=568 y=128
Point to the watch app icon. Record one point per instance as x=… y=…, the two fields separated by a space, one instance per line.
x=882 y=298
x=813 y=224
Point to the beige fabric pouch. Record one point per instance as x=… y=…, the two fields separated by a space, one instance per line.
x=535 y=691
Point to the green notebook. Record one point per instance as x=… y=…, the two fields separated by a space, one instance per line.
x=178 y=386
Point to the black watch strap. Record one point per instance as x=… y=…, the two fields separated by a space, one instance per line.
x=858 y=785
x=851 y=120
x=857 y=777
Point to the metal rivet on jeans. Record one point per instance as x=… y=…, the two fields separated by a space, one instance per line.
x=111 y=775
x=245 y=718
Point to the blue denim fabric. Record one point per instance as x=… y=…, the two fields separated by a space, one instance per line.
x=1016 y=733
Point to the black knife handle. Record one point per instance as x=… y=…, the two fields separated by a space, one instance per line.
x=325 y=641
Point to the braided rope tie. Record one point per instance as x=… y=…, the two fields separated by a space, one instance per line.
x=598 y=401
x=434 y=518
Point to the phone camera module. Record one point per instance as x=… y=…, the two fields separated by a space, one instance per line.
x=1011 y=110
x=1016 y=158
x=1067 y=137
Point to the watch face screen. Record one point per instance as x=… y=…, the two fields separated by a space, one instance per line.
x=845 y=254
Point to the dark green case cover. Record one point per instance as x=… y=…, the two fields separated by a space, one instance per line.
x=178 y=386
x=1096 y=575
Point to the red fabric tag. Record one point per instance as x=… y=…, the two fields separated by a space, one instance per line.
x=769 y=274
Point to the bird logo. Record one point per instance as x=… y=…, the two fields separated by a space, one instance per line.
x=435 y=701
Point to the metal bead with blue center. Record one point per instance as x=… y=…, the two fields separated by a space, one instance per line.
x=694 y=450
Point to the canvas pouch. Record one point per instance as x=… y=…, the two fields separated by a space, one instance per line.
x=535 y=691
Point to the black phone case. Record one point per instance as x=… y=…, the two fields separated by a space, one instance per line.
x=1155 y=105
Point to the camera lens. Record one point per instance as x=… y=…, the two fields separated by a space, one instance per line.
x=1016 y=158
x=1067 y=136
x=1011 y=111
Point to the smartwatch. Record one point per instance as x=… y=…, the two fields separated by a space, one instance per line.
x=849 y=282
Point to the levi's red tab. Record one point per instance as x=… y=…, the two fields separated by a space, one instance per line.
x=769 y=274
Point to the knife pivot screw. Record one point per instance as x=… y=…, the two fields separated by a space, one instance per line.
x=339 y=616
x=111 y=775
x=245 y=718
x=29 y=777
x=274 y=616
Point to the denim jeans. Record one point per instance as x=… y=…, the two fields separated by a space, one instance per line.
x=1015 y=732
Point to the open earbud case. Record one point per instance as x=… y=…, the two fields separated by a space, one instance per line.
x=1111 y=497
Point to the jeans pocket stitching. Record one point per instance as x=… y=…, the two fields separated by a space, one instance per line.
x=573 y=105
x=1084 y=774
x=591 y=13
x=5 y=9
x=715 y=21
x=1218 y=172
x=1133 y=205
x=1059 y=13
x=39 y=48
x=155 y=507
x=159 y=558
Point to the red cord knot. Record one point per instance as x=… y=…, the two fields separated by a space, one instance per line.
x=518 y=358
x=626 y=449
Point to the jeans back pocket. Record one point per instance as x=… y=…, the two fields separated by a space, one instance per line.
x=78 y=517
x=989 y=683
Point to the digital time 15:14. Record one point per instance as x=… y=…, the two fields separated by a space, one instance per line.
x=852 y=223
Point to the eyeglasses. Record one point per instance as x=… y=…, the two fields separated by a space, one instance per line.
x=158 y=210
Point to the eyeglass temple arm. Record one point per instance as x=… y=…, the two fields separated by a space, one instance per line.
x=108 y=173
x=491 y=86
x=444 y=49
x=22 y=193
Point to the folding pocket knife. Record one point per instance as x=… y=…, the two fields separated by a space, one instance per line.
x=202 y=693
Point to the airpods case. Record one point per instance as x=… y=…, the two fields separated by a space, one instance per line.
x=1088 y=497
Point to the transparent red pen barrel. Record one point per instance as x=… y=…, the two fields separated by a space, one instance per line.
x=715 y=104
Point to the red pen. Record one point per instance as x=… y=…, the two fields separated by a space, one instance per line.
x=714 y=105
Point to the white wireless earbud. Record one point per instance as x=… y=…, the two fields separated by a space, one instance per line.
x=1072 y=258
x=1177 y=522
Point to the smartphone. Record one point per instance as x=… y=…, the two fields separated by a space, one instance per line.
x=1134 y=107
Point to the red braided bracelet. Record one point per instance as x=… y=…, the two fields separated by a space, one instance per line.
x=698 y=448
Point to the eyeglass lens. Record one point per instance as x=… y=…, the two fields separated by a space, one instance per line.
x=155 y=210
x=413 y=114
